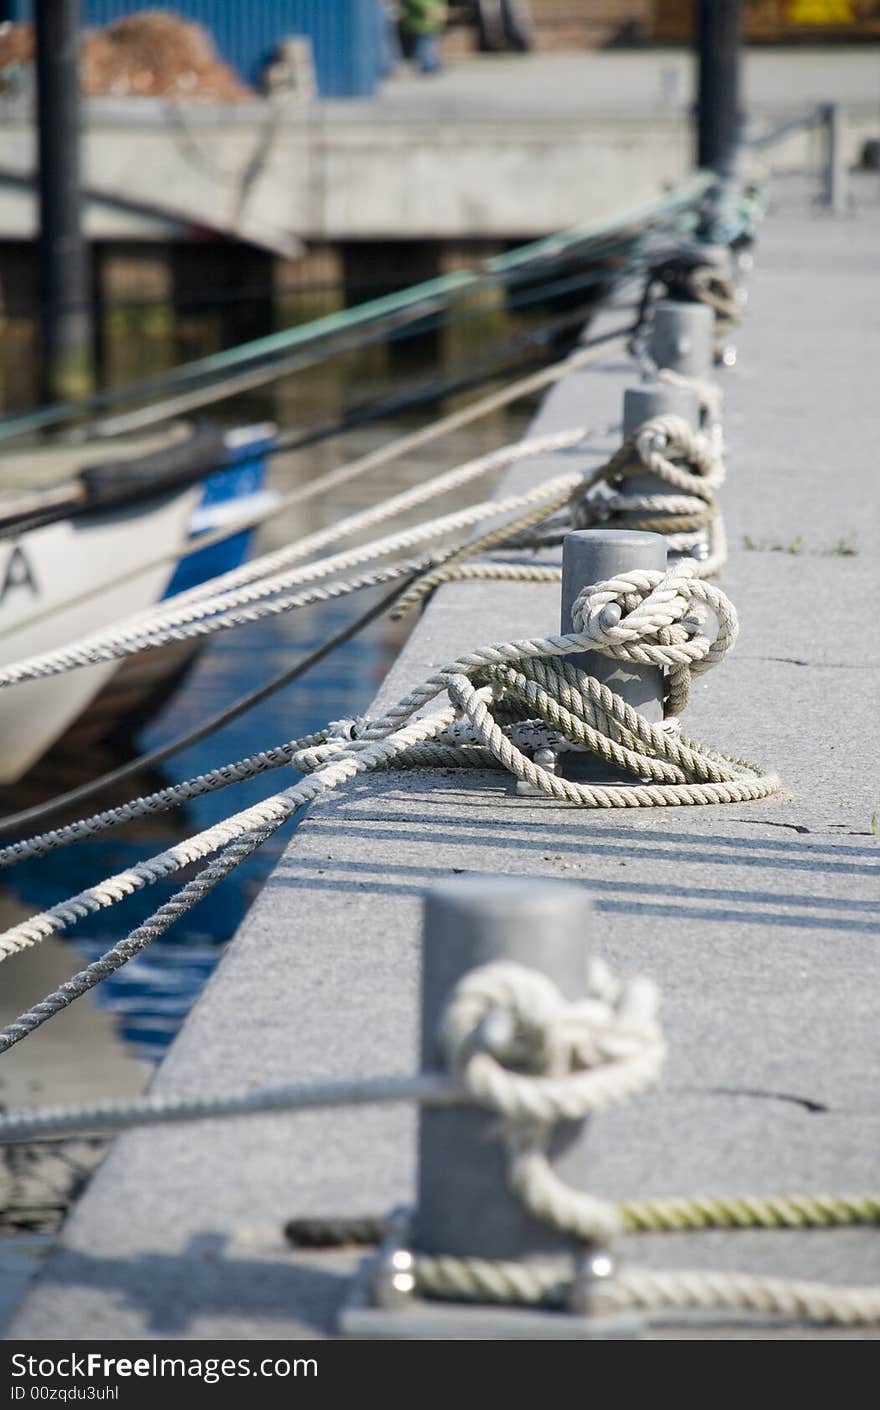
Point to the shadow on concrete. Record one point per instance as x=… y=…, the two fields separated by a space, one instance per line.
x=736 y=912
x=171 y=1290
x=638 y=843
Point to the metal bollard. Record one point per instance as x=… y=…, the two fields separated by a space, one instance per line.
x=682 y=338
x=835 y=196
x=465 y=1208
x=592 y=556
x=642 y=403
x=464 y=1204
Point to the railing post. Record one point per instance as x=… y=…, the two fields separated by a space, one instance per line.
x=65 y=321
x=719 y=42
x=835 y=195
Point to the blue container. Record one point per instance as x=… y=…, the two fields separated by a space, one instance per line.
x=346 y=35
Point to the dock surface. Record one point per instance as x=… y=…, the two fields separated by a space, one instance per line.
x=758 y=921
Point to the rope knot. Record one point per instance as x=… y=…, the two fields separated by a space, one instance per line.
x=524 y=1051
x=667 y=446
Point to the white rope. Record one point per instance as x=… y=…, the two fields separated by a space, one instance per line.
x=577 y=1059
x=690 y=468
x=794 y=1299
x=656 y=1292
x=386 y=454
x=257 y=600
x=656 y=626
x=269 y=564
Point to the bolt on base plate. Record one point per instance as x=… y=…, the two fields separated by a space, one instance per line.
x=420 y=1319
x=382 y=1305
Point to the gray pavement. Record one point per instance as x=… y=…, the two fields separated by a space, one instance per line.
x=758 y=921
x=777 y=82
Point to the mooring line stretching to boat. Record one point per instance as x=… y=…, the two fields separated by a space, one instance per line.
x=28 y=817
x=396 y=449
x=666 y=447
x=601 y=348
x=642 y=452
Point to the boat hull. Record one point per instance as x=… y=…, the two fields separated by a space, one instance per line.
x=64 y=581
x=78 y=575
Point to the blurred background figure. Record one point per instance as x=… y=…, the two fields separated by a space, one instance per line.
x=505 y=24
x=422 y=23
x=392 y=54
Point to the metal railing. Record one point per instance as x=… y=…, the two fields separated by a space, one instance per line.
x=831 y=120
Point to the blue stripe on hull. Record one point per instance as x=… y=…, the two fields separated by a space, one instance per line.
x=225 y=491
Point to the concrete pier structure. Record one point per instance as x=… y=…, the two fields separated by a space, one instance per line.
x=505 y=148
x=758 y=921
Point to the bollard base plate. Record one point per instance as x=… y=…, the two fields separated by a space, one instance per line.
x=419 y=1319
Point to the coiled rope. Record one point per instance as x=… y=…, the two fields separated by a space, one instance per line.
x=689 y=465
x=666 y=448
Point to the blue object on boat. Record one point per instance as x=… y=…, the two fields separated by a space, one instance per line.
x=228 y=495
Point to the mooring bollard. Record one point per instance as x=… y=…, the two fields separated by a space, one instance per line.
x=593 y=556
x=466 y=1210
x=465 y=1206
x=642 y=403
x=682 y=338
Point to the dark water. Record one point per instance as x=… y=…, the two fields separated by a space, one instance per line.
x=150 y=996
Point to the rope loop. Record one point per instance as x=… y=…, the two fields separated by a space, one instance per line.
x=659 y=619
x=667 y=446
x=688 y=467
x=526 y=1052
x=522 y=1050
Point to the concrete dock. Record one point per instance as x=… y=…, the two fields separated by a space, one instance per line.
x=758 y=921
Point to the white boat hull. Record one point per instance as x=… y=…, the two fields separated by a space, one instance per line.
x=54 y=589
